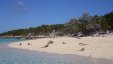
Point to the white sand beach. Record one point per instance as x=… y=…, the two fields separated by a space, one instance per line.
x=96 y=47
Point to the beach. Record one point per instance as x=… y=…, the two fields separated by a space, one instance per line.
x=95 y=47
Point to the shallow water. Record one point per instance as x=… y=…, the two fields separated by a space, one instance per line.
x=9 y=40
x=17 y=56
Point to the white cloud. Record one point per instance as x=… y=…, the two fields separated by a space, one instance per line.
x=20 y=2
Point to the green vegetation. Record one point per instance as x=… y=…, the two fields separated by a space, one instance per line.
x=86 y=24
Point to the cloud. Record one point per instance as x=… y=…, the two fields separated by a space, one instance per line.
x=21 y=7
x=20 y=3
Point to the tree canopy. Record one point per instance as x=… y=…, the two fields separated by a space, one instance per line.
x=86 y=24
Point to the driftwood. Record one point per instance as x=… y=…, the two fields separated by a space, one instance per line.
x=47 y=45
x=78 y=37
x=82 y=49
x=82 y=44
x=50 y=42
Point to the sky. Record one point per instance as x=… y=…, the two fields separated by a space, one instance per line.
x=21 y=14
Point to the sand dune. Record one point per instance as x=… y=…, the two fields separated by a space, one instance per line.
x=96 y=47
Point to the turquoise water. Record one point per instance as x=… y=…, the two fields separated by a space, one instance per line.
x=9 y=40
x=17 y=56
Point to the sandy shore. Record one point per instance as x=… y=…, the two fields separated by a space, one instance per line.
x=96 y=47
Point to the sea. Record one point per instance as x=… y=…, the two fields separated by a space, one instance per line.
x=17 y=56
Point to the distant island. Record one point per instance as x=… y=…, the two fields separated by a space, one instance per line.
x=86 y=25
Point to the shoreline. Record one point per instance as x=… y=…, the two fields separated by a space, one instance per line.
x=96 y=47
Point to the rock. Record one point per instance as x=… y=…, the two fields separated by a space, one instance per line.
x=63 y=43
x=29 y=44
x=20 y=44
